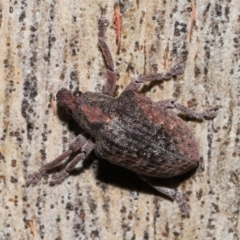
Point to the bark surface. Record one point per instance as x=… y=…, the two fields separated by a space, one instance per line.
x=47 y=45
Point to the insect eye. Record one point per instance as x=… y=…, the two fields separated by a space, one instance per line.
x=77 y=93
x=69 y=111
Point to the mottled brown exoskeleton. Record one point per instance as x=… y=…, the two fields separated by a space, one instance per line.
x=130 y=131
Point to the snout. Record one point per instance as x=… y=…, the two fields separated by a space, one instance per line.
x=65 y=98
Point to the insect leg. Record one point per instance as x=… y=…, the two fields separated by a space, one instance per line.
x=171 y=193
x=207 y=113
x=77 y=144
x=111 y=76
x=136 y=83
x=59 y=177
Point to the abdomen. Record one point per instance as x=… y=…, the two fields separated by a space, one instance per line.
x=146 y=147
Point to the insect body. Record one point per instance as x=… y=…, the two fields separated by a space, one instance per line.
x=133 y=132
x=130 y=131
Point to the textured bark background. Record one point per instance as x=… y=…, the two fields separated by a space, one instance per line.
x=47 y=45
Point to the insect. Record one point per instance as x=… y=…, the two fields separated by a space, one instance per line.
x=130 y=130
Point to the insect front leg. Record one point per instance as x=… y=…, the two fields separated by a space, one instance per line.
x=76 y=145
x=207 y=113
x=177 y=69
x=59 y=177
x=111 y=76
x=171 y=193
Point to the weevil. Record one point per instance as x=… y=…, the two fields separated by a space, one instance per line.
x=130 y=130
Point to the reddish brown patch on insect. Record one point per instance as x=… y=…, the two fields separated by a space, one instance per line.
x=183 y=137
x=118 y=24
x=156 y=115
x=174 y=126
x=66 y=98
x=95 y=114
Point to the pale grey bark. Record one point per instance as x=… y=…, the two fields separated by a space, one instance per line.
x=47 y=45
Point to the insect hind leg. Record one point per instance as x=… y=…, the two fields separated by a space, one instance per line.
x=210 y=112
x=171 y=193
x=177 y=69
